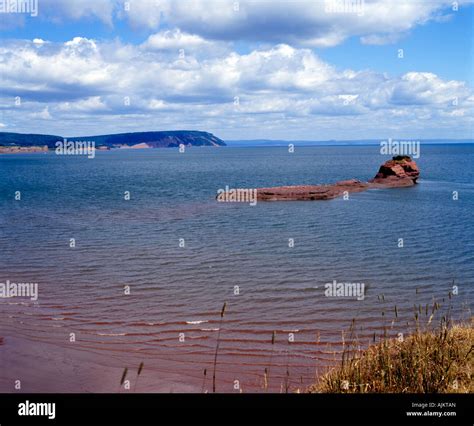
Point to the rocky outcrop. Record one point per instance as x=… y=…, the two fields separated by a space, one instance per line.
x=310 y=192
x=398 y=172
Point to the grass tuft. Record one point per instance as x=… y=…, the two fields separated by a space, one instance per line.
x=429 y=361
x=217 y=348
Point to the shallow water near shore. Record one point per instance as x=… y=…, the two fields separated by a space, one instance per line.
x=233 y=252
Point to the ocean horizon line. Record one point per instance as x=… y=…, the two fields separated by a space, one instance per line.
x=342 y=142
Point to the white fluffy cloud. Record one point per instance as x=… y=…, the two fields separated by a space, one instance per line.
x=88 y=85
x=309 y=23
x=174 y=39
x=313 y=23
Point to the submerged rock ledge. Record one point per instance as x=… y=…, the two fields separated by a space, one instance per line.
x=400 y=171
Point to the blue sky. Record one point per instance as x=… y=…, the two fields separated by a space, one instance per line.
x=297 y=69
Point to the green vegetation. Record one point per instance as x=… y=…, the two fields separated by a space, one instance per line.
x=19 y=139
x=165 y=139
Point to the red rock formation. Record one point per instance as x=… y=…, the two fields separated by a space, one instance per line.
x=310 y=192
x=399 y=172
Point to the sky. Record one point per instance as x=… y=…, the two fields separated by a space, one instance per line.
x=246 y=69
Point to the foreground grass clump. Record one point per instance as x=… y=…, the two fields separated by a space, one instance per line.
x=432 y=361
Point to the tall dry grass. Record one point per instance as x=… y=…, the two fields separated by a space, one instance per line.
x=217 y=347
x=433 y=359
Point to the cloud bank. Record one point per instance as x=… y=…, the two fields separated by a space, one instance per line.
x=188 y=73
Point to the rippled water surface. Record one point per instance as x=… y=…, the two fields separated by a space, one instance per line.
x=232 y=253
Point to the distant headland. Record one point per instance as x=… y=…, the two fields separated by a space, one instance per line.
x=20 y=142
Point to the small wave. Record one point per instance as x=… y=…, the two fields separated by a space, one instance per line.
x=209 y=329
x=17 y=303
x=111 y=334
x=196 y=322
x=144 y=323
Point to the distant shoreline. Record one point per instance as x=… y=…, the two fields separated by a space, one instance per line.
x=22 y=149
x=17 y=149
x=153 y=139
